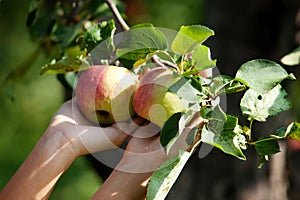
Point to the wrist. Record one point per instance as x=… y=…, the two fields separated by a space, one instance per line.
x=124 y=186
x=54 y=145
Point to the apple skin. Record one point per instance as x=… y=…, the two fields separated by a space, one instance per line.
x=104 y=94
x=152 y=101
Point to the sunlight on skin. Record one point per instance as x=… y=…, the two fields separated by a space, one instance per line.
x=59 y=146
x=46 y=190
x=51 y=158
x=145 y=183
x=114 y=194
x=66 y=139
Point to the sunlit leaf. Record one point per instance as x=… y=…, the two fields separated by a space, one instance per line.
x=185 y=90
x=163 y=178
x=98 y=41
x=225 y=84
x=68 y=64
x=259 y=106
x=217 y=119
x=141 y=40
x=229 y=139
x=293 y=58
x=201 y=58
x=189 y=37
x=262 y=75
x=292 y=131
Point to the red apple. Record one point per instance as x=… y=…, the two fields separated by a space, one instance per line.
x=104 y=94
x=152 y=100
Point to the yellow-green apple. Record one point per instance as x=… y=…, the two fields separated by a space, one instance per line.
x=152 y=100
x=104 y=94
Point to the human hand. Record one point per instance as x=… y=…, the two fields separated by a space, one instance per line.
x=142 y=156
x=145 y=154
x=68 y=136
x=70 y=128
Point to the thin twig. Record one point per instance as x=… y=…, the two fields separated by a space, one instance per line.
x=164 y=63
x=117 y=14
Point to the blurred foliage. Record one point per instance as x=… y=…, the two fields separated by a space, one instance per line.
x=174 y=13
x=167 y=13
x=36 y=98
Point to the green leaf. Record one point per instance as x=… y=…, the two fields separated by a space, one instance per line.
x=184 y=89
x=262 y=75
x=189 y=37
x=259 y=106
x=173 y=128
x=229 y=140
x=266 y=146
x=201 y=58
x=205 y=112
x=217 y=119
x=190 y=139
x=196 y=83
x=98 y=40
x=280 y=133
x=293 y=131
x=67 y=64
x=293 y=58
x=262 y=159
x=170 y=131
x=64 y=34
x=164 y=177
x=141 y=40
x=41 y=18
x=225 y=84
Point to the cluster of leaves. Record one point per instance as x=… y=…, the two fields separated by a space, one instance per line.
x=56 y=27
x=185 y=53
x=77 y=40
x=260 y=80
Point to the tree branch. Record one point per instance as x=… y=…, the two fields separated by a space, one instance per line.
x=111 y=4
x=163 y=63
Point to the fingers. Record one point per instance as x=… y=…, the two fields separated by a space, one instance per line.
x=147 y=130
x=93 y=139
x=144 y=152
x=88 y=137
x=131 y=126
x=142 y=155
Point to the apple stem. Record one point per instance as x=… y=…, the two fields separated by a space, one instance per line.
x=111 y=4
